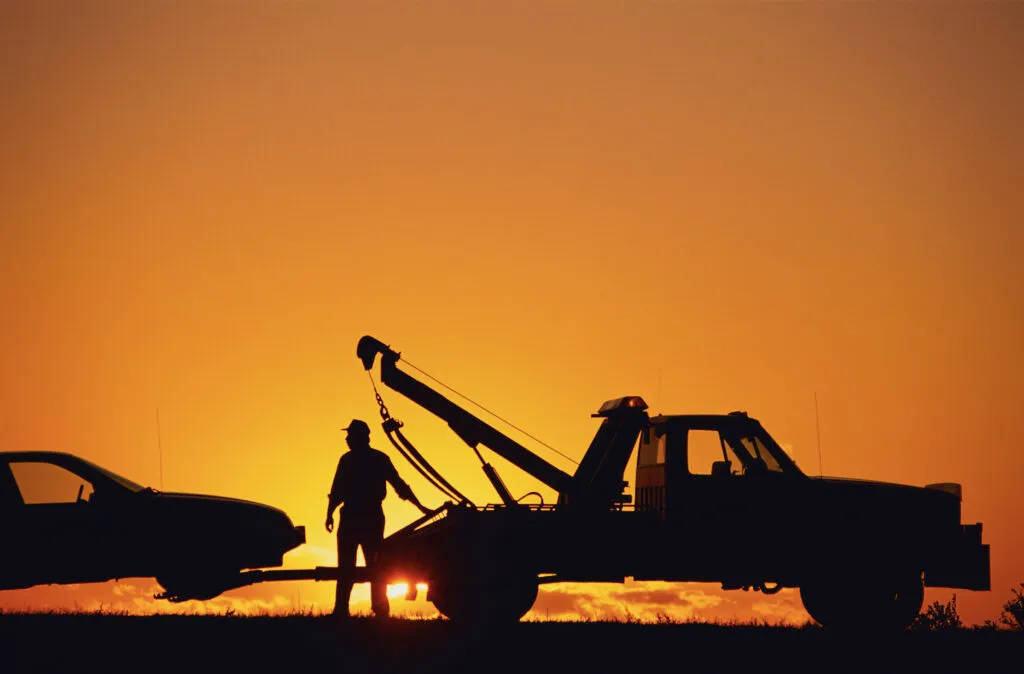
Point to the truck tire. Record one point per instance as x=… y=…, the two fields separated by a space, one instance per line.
x=871 y=605
x=493 y=600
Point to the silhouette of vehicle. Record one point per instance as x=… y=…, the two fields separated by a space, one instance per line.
x=66 y=520
x=859 y=551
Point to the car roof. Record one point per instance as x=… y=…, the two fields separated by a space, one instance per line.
x=34 y=454
x=67 y=460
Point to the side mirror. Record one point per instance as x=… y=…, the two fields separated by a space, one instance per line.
x=721 y=469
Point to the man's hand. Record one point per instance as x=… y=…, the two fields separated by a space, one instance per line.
x=329 y=524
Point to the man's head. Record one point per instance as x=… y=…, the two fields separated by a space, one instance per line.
x=358 y=434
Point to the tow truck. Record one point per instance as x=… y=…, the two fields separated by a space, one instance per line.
x=860 y=552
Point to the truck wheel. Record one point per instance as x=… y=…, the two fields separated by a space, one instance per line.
x=819 y=603
x=492 y=600
x=905 y=599
x=890 y=604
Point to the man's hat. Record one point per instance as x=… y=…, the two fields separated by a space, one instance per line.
x=358 y=427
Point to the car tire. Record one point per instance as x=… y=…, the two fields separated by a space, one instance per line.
x=198 y=585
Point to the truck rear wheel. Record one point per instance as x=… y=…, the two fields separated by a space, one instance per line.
x=882 y=604
x=503 y=599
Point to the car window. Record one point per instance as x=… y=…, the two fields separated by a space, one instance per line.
x=9 y=496
x=41 y=482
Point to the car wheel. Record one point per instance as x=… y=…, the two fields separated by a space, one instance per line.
x=200 y=585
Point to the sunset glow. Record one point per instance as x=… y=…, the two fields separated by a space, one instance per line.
x=718 y=208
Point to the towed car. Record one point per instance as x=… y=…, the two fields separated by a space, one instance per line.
x=65 y=520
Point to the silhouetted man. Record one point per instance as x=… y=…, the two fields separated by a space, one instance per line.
x=359 y=487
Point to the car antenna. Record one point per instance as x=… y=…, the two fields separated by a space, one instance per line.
x=817 y=428
x=160 y=448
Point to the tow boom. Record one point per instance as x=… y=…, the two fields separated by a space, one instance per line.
x=471 y=429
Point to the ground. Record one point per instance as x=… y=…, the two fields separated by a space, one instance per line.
x=79 y=643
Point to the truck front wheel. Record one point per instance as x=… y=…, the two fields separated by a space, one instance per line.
x=886 y=604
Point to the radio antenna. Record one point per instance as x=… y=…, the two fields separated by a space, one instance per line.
x=817 y=428
x=160 y=448
x=660 y=406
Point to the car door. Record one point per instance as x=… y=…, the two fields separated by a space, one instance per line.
x=14 y=567
x=56 y=524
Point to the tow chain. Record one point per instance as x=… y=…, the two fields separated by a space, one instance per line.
x=385 y=415
x=410 y=453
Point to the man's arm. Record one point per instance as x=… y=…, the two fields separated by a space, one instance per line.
x=402 y=488
x=334 y=499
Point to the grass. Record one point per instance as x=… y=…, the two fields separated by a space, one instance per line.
x=67 y=641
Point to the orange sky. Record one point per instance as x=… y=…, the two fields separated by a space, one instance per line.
x=717 y=206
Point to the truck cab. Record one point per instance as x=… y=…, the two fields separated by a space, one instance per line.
x=736 y=509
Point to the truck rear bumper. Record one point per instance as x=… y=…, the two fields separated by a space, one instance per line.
x=962 y=564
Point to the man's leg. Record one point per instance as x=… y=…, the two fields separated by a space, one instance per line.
x=378 y=588
x=347 y=543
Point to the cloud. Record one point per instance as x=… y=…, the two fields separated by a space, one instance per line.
x=586 y=601
x=654 y=601
x=650 y=596
x=559 y=601
x=307 y=555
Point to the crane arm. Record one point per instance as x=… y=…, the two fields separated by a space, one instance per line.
x=467 y=426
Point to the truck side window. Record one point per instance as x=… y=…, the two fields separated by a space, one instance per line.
x=702 y=449
x=652 y=447
x=705 y=447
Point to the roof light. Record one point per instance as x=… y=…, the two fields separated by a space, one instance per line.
x=634 y=402
x=949 y=487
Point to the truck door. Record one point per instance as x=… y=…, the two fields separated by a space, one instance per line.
x=774 y=531
x=710 y=513
x=737 y=506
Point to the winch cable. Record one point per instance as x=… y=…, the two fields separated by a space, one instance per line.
x=391 y=425
x=419 y=469
x=448 y=488
x=411 y=454
x=496 y=416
